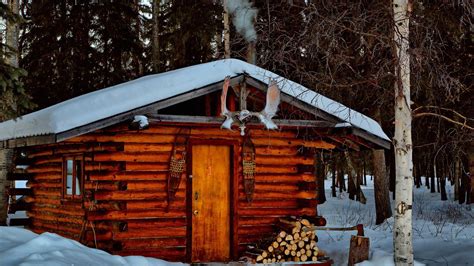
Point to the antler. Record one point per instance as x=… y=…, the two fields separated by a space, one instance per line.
x=224 y=111
x=271 y=106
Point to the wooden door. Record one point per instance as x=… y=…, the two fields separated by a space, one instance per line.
x=210 y=203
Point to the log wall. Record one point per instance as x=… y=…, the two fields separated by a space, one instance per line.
x=124 y=209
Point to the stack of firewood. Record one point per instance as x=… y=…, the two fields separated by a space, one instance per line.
x=294 y=242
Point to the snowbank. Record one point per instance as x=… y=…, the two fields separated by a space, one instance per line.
x=22 y=247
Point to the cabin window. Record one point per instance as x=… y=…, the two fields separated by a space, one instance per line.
x=73 y=177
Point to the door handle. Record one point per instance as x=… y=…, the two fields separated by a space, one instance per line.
x=195 y=212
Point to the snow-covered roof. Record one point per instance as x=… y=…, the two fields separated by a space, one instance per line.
x=105 y=103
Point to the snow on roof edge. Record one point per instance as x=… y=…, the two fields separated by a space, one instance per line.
x=109 y=101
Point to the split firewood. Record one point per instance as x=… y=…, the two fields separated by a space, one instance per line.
x=270 y=249
x=296 y=236
x=282 y=234
x=292 y=242
x=303 y=257
x=301 y=243
x=305 y=222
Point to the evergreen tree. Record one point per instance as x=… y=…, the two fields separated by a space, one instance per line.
x=15 y=100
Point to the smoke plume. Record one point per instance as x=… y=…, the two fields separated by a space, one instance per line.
x=243 y=17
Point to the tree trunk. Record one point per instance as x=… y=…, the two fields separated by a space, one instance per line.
x=156 y=37
x=383 y=209
x=5 y=165
x=12 y=34
x=402 y=140
x=333 y=166
x=353 y=182
x=471 y=175
x=433 y=183
x=457 y=171
x=226 y=31
x=382 y=196
x=319 y=167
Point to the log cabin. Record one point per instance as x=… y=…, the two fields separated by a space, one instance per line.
x=144 y=167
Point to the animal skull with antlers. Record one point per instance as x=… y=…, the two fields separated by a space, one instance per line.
x=242 y=116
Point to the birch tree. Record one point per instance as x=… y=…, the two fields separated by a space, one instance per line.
x=402 y=140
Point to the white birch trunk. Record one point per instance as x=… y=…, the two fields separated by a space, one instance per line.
x=403 y=254
x=12 y=34
x=5 y=165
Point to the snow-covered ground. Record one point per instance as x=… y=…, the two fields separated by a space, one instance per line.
x=443 y=231
x=22 y=247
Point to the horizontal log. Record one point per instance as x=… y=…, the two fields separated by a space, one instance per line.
x=54 y=218
x=45 y=168
x=276 y=211
x=44 y=200
x=104 y=166
x=136 y=137
x=136 y=195
x=272 y=160
x=283 y=203
x=105 y=205
x=292 y=142
x=135 y=214
x=19 y=221
x=55 y=227
x=273 y=187
x=276 y=151
x=152 y=243
x=169 y=232
x=148 y=147
x=53 y=176
x=274 y=169
x=135 y=166
x=256 y=220
x=34 y=151
x=98 y=236
x=263 y=229
x=64 y=209
x=156 y=223
x=156 y=157
x=19 y=176
x=260 y=195
x=20 y=191
x=51 y=184
x=46 y=192
x=168 y=254
x=282 y=178
x=129 y=175
x=177 y=203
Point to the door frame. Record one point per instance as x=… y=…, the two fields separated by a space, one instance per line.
x=234 y=195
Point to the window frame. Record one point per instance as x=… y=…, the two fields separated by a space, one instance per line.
x=73 y=196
